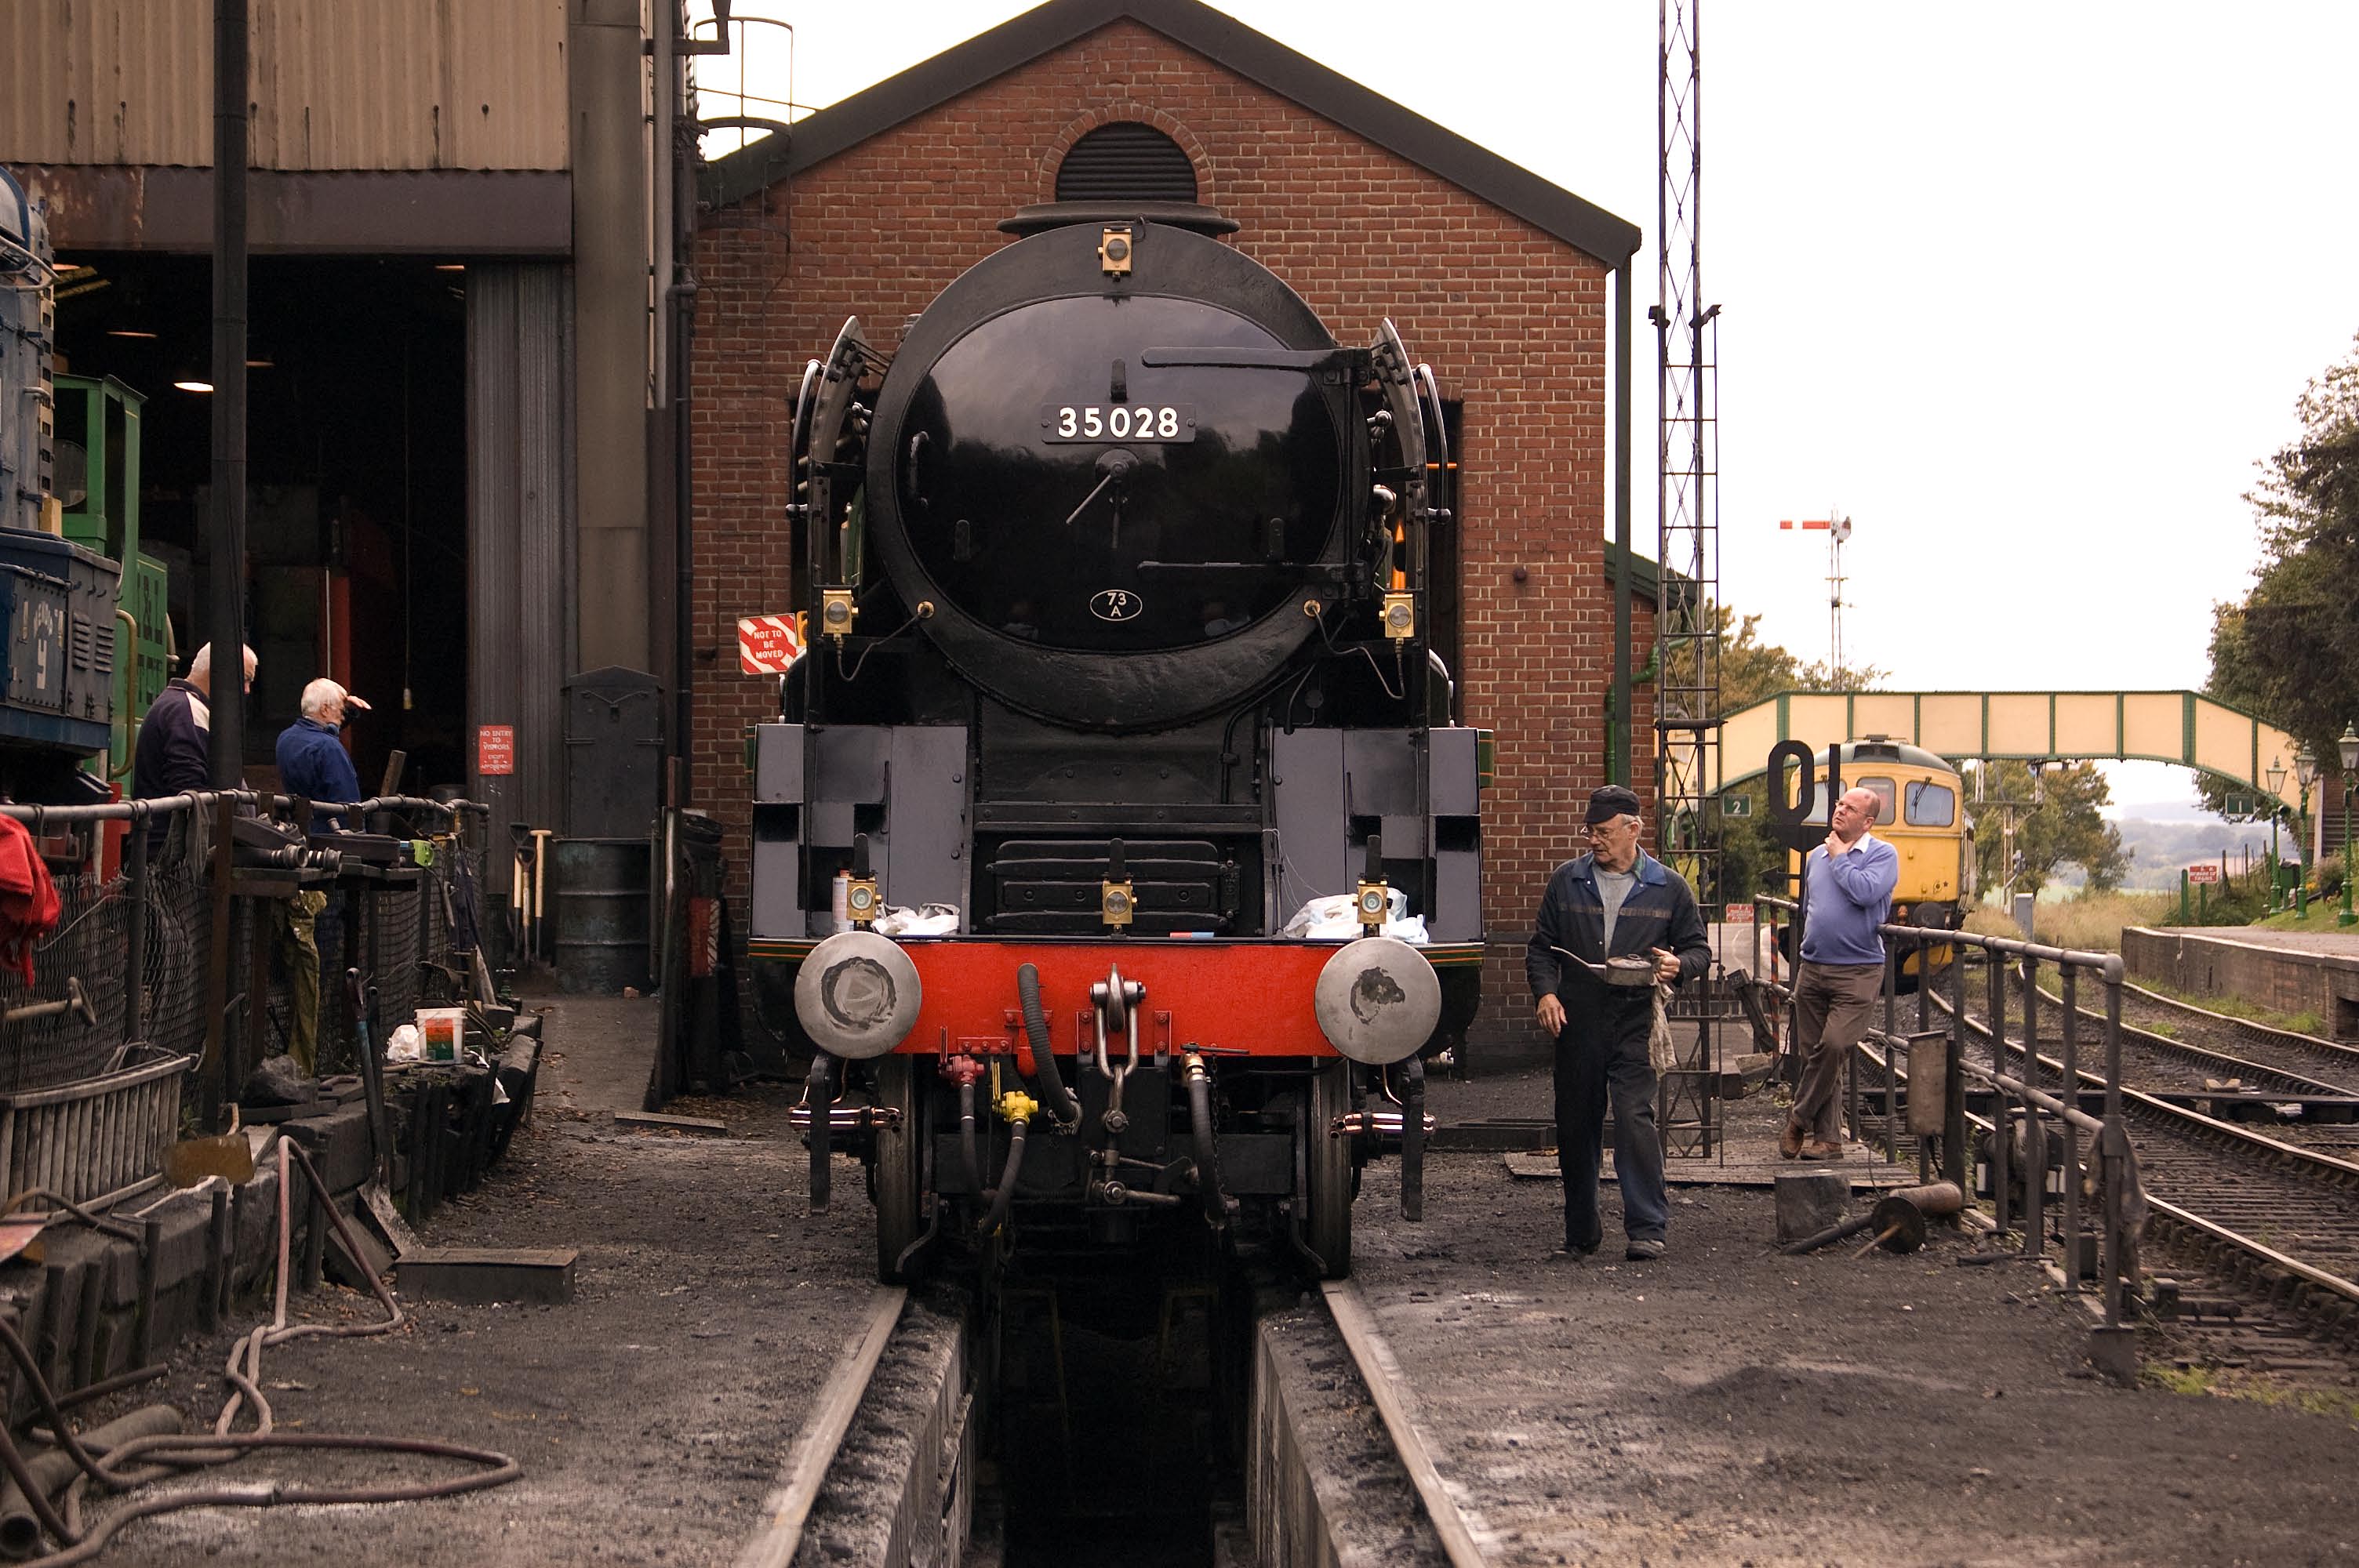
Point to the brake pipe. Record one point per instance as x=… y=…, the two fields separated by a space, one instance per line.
x=1018 y=1109
x=1060 y=1099
x=1199 y=1112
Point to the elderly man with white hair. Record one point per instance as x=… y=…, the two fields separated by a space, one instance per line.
x=314 y=763
x=174 y=754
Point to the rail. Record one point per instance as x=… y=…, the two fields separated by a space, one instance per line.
x=1382 y=1374
x=809 y=1458
x=2021 y=1107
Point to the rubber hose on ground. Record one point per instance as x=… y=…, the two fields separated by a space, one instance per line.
x=1053 y=1093
x=1007 y=1193
x=20 y=1529
x=1208 y=1168
x=966 y=1139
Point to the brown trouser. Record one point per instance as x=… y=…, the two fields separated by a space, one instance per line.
x=1833 y=1005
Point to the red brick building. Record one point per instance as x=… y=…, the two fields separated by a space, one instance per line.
x=1502 y=282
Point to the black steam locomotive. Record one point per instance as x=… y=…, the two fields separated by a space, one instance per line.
x=1115 y=840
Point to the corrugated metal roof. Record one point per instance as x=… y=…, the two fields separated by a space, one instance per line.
x=385 y=85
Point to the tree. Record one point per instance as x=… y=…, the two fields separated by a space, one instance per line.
x=2064 y=827
x=2290 y=649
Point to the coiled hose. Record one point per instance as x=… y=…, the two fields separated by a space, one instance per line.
x=168 y=1453
x=997 y=1215
x=1061 y=1102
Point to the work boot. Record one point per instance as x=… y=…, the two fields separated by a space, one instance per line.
x=1789 y=1141
x=1644 y=1249
x=1819 y=1149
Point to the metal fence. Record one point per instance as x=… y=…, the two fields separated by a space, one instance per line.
x=138 y=947
x=1914 y=1084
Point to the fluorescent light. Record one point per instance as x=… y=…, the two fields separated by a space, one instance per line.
x=450 y=267
x=128 y=333
x=194 y=385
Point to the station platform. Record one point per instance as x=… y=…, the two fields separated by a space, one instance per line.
x=2293 y=972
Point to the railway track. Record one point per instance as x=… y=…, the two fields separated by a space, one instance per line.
x=838 y=1494
x=2227 y=1046
x=2279 y=1220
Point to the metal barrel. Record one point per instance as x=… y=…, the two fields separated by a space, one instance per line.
x=601 y=907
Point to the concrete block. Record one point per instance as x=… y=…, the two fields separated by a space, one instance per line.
x=338 y=1142
x=478 y=1274
x=1809 y=1201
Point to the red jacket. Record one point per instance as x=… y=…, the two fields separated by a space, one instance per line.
x=28 y=899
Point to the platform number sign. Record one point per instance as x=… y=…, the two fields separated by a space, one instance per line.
x=1736 y=805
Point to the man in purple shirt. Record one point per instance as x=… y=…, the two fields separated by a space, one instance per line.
x=1847 y=885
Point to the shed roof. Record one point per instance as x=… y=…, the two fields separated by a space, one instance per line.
x=1225 y=41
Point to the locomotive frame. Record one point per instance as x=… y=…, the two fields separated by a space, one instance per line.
x=1115 y=766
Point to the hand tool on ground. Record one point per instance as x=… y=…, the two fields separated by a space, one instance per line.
x=377 y=1193
x=1899 y=1219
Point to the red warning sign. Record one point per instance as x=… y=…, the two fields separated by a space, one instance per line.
x=495 y=748
x=767 y=644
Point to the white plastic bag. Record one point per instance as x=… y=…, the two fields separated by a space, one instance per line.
x=405 y=1044
x=927 y=920
x=1336 y=918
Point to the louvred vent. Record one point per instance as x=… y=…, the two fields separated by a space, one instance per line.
x=1125 y=161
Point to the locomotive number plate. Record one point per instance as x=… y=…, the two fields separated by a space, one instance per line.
x=1118 y=421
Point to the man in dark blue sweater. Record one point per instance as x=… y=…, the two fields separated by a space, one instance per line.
x=1614 y=901
x=314 y=763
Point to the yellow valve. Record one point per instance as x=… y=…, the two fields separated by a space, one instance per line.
x=1017 y=1105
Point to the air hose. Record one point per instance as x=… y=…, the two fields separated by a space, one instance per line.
x=1018 y=1109
x=1208 y=1167
x=1061 y=1102
x=966 y=1136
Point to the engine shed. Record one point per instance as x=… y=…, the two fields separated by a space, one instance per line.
x=1514 y=291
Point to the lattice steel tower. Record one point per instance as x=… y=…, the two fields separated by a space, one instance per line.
x=1687 y=622
x=1686 y=615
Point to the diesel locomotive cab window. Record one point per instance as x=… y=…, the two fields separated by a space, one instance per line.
x=1062 y=490
x=1931 y=805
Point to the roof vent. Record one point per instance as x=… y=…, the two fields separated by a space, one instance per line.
x=1125 y=161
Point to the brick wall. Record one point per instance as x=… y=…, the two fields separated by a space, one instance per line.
x=1512 y=319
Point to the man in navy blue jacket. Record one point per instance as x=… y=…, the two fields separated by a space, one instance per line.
x=314 y=763
x=1847 y=884
x=173 y=755
x=1614 y=901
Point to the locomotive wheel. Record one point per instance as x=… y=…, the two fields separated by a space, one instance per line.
x=1328 y=1175
x=900 y=1197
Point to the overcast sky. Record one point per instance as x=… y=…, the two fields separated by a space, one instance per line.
x=2023 y=289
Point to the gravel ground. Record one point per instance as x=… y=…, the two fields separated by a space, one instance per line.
x=1726 y=1406
x=651 y=1413
x=1731 y=1405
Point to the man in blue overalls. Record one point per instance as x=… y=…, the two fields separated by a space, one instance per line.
x=314 y=763
x=1616 y=901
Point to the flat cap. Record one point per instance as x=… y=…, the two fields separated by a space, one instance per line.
x=1612 y=801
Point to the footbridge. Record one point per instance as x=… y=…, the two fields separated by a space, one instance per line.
x=2182 y=726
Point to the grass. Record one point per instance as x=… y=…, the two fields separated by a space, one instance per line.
x=2225 y=1384
x=2091 y=923
x=2237 y=1007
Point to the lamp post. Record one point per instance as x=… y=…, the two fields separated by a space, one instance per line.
x=2276 y=776
x=2305 y=773
x=2348 y=744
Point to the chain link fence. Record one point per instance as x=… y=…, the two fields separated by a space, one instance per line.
x=387 y=925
